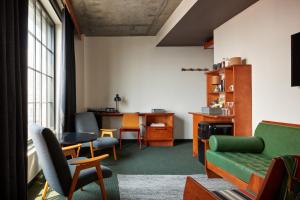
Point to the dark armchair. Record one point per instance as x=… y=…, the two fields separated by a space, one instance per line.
x=64 y=176
x=86 y=122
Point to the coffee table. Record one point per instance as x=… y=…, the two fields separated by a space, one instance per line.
x=72 y=138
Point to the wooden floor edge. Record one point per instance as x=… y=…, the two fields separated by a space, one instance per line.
x=227 y=176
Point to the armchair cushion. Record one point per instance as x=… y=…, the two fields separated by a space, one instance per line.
x=102 y=142
x=223 y=143
x=89 y=175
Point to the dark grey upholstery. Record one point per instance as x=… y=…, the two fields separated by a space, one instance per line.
x=86 y=123
x=55 y=166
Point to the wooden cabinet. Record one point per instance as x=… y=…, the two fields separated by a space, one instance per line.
x=159 y=136
x=236 y=88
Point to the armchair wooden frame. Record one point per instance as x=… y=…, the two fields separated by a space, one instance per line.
x=73 y=151
x=102 y=133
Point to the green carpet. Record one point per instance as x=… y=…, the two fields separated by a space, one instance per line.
x=176 y=160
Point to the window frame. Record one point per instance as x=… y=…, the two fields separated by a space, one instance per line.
x=49 y=21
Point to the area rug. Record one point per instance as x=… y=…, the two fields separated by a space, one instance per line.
x=163 y=187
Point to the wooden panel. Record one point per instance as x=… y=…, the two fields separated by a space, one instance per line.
x=282 y=123
x=195 y=191
x=255 y=183
x=227 y=176
x=242 y=101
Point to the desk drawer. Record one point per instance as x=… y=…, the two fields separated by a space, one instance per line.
x=159 y=133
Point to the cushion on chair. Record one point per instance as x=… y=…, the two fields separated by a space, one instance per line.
x=102 y=142
x=88 y=175
x=223 y=143
x=241 y=165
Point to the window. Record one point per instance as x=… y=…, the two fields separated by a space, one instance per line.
x=41 y=69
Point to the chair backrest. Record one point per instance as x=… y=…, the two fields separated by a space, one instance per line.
x=279 y=138
x=86 y=122
x=52 y=159
x=130 y=120
x=274 y=179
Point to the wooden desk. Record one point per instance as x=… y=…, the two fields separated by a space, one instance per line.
x=154 y=136
x=200 y=117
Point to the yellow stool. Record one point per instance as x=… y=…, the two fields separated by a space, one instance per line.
x=109 y=133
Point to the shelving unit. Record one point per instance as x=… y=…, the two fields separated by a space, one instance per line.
x=238 y=76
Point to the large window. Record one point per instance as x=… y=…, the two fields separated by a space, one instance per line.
x=41 y=69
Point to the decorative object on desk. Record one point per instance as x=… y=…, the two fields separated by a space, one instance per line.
x=230 y=106
x=117 y=99
x=158 y=125
x=211 y=111
x=194 y=69
x=110 y=110
x=217 y=66
x=235 y=61
x=215 y=80
x=158 y=110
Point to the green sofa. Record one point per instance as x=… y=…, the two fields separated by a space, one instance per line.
x=242 y=156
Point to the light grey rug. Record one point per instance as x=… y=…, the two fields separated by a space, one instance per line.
x=164 y=187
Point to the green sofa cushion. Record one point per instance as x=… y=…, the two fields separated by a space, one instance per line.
x=241 y=165
x=222 y=143
x=279 y=140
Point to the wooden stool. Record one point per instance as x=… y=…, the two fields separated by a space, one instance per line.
x=109 y=133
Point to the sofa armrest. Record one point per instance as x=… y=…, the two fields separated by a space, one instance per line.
x=223 y=143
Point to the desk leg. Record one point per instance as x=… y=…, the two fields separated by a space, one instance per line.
x=92 y=149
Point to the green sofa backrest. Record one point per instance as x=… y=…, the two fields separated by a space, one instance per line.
x=279 y=139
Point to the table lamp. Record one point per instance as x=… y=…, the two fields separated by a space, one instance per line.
x=117 y=99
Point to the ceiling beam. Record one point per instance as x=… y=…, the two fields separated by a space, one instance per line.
x=70 y=8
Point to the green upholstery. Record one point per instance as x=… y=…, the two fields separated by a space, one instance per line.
x=224 y=143
x=241 y=156
x=241 y=165
x=279 y=140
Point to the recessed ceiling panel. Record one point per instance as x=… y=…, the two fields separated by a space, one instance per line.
x=198 y=23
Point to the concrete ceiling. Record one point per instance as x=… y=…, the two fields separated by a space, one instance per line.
x=123 y=17
x=198 y=24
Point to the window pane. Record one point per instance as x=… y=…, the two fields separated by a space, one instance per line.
x=44 y=114
x=50 y=90
x=38 y=56
x=44 y=88
x=38 y=87
x=38 y=24
x=31 y=85
x=38 y=113
x=44 y=29
x=31 y=51
x=31 y=18
x=50 y=64
x=49 y=36
x=31 y=113
x=44 y=60
x=51 y=115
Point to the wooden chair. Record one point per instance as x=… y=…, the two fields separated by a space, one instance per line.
x=61 y=175
x=269 y=189
x=130 y=123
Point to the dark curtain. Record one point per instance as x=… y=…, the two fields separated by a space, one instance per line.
x=13 y=99
x=68 y=75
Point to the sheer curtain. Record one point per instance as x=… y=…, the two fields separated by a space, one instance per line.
x=67 y=97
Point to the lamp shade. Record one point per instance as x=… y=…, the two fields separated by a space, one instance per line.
x=215 y=80
x=117 y=98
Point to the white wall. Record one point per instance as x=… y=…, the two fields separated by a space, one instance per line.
x=261 y=34
x=145 y=76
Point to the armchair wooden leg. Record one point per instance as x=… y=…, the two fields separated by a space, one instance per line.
x=139 y=139
x=120 y=139
x=45 y=190
x=74 y=182
x=92 y=149
x=101 y=183
x=115 y=153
